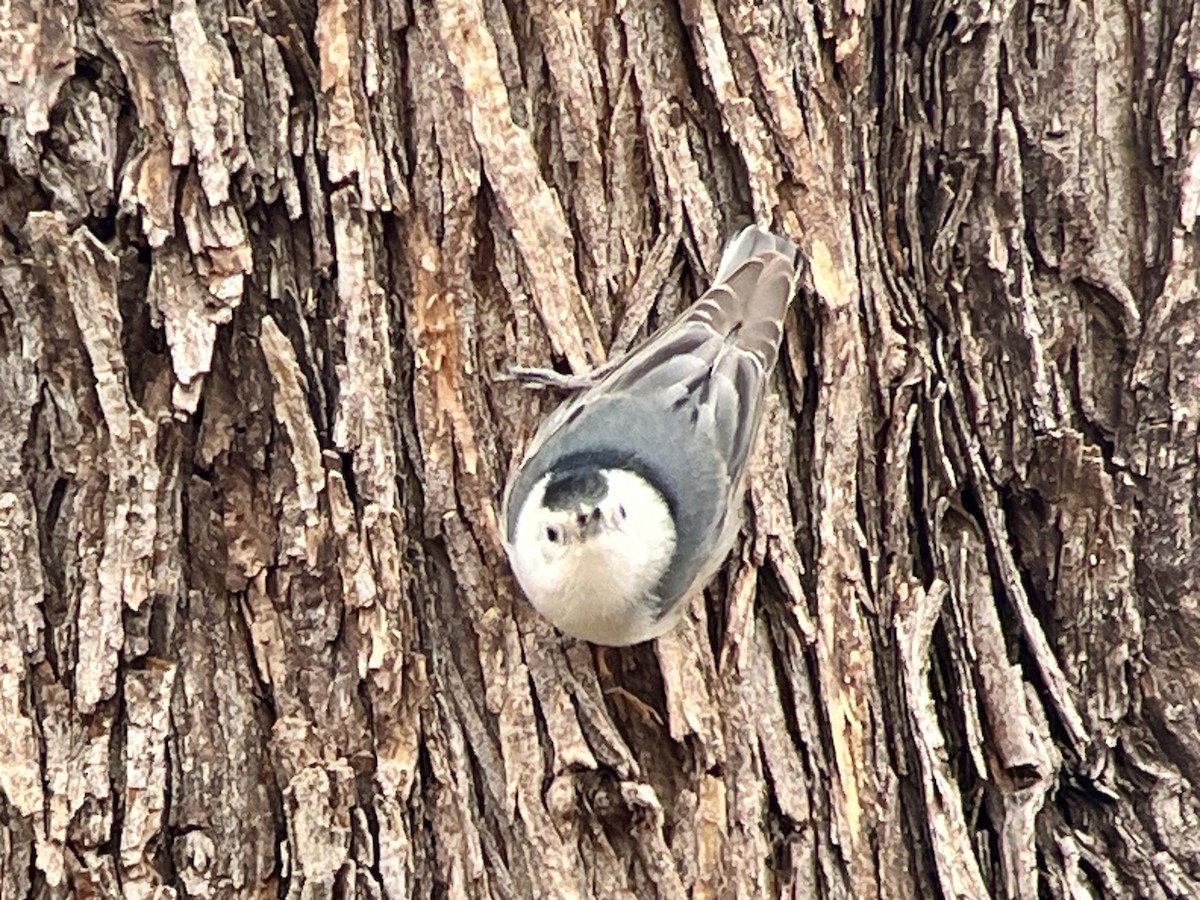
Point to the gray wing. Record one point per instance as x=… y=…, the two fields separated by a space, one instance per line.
x=714 y=359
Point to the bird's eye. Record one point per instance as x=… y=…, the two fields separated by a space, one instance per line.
x=552 y=534
x=621 y=511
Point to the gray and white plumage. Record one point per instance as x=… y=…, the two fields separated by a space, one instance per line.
x=630 y=494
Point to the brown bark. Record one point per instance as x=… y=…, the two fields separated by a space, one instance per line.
x=262 y=264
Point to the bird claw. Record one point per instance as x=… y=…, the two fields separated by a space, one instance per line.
x=644 y=710
x=647 y=713
x=534 y=377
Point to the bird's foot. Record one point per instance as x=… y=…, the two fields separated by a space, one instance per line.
x=644 y=710
x=534 y=377
x=537 y=377
x=647 y=713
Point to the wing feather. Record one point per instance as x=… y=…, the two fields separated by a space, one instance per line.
x=718 y=353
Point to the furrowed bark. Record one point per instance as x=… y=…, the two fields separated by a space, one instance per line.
x=264 y=267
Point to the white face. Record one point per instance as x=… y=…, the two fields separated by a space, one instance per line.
x=591 y=567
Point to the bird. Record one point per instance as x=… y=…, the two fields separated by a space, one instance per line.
x=629 y=497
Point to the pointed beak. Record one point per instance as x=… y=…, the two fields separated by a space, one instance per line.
x=589 y=521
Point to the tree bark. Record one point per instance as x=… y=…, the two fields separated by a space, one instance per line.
x=263 y=264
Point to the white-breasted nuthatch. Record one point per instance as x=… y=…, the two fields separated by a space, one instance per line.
x=630 y=494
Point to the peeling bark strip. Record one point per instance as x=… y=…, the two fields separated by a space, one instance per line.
x=262 y=265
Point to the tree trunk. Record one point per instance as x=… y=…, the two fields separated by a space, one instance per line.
x=262 y=266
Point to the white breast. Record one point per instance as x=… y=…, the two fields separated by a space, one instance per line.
x=601 y=589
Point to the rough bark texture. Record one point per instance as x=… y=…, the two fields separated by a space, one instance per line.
x=261 y=265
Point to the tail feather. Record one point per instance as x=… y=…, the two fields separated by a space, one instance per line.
x=739 y=318
x=750 y=296
x=746 y=307
x=748 y=243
